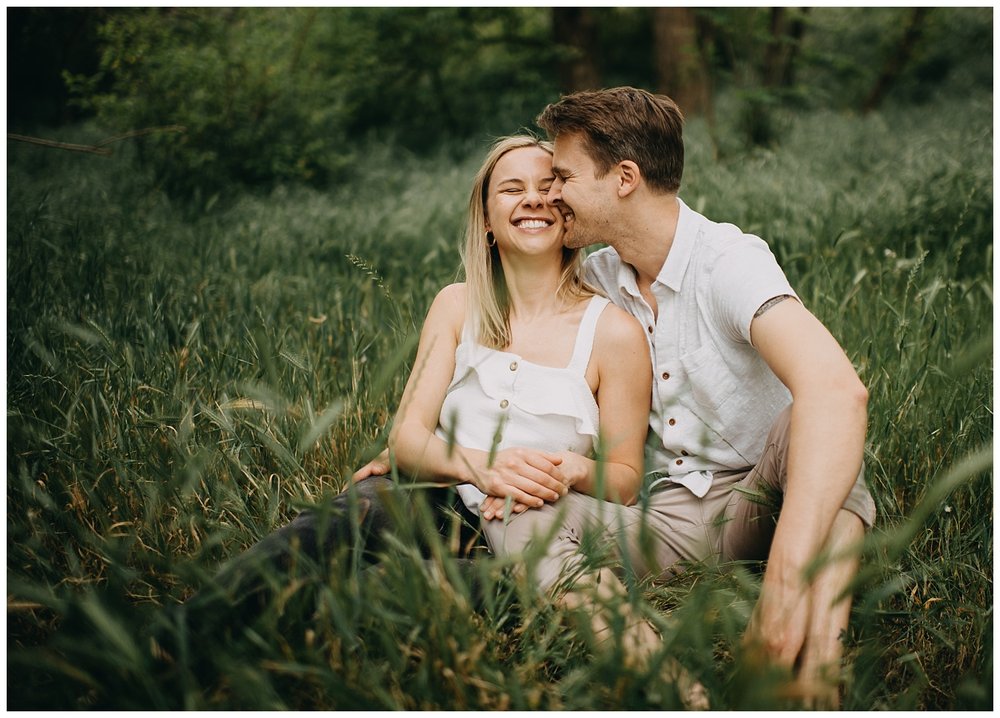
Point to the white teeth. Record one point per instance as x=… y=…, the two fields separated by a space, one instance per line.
x=532 y=224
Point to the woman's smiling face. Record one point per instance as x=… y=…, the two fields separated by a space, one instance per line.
x=516 y=209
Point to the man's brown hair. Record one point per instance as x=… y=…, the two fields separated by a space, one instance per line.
x=624 y=123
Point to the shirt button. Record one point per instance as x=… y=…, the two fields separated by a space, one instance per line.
x=513 y=366
x=679 y=462
x=504 y=404
x=665 y=375
x=650 y=329
x=672 y=421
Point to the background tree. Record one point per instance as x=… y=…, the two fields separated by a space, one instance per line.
x=782 y=48
x=898 y=59
x=680 y=65
x=574 y=30
x=41 y=45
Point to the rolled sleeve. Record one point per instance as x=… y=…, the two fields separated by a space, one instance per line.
x=744 y=276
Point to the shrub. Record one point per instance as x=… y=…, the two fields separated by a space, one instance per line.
x=241 y=83
x=270 y=95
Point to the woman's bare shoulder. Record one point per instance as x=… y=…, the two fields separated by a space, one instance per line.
x=617 y=326
x=453 y=293
x=448 y=307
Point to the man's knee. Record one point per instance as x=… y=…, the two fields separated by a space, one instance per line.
x=860 y=502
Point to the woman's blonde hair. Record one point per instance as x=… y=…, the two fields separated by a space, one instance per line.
x=488 y=312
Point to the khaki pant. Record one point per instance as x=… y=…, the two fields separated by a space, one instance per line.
x=735 y=520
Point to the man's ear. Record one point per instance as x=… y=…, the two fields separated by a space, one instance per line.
x=629 y=178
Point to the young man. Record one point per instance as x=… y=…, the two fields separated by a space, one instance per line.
x=751 y=393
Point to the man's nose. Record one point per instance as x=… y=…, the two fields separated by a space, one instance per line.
x=555 y=193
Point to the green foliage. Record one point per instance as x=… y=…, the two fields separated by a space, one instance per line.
x=845 y=49
x=243 y=83
x=269 y=95
x=433 y=74
x=182 y=377
x=836 y=60
x=272 y=95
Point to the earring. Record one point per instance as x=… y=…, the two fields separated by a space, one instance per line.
x=491 y=240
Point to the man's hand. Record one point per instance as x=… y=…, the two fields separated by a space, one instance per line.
x=780 y=620
x=799 y=625
x=379 y=466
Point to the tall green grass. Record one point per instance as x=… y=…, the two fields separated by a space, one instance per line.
x=182 y=378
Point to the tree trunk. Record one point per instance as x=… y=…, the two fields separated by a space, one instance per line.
x=783 y=46
x=775 y=48
x=681 y=69
x=574 y=29
x=894 y=66
x=795 y=34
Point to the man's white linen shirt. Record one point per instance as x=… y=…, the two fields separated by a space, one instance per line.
x=714 y=398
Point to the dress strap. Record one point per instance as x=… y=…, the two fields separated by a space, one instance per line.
x=585 y=334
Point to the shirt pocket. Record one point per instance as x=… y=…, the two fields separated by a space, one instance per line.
x=710 y=381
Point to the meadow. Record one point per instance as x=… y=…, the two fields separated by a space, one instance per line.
x=183 y=376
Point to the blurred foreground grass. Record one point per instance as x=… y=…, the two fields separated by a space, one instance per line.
x=181 y=378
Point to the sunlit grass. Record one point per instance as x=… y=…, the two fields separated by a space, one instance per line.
x=182 y=378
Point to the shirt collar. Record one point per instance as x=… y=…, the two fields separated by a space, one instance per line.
x=674 y=267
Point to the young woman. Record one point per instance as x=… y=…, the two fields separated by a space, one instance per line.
x=519 y=371
x=522 y=367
